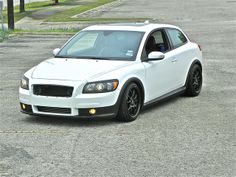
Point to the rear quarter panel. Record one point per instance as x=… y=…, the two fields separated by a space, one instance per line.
x=187 y=54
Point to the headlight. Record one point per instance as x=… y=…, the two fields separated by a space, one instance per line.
x=24 y=83
x=101 y=86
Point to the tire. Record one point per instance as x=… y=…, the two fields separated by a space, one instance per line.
x=130 y=104
x=194 y=81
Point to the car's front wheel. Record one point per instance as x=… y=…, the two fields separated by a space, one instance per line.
x=130 y=104
x=194 y=82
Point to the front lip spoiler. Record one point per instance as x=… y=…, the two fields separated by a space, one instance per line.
x=87 y=117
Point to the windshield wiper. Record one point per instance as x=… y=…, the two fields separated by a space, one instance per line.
x=92 y=58
x=99 y=58
x=83 y=57
x=63 y=56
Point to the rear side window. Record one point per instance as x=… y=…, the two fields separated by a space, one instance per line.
x=176 y=37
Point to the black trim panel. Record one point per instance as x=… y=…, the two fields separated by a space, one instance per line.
x=110 y=111
x=168 y=95
x=52 y=90
x=27 y=108
x=56 y=110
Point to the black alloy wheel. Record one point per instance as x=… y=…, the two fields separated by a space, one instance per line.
x=197 y=80
x=133 y=102
x=194 y=82
x=130 y=104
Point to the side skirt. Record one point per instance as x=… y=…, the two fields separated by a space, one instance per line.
x=166 y=96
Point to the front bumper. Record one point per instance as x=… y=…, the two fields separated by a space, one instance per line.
x=110 y=111
x=78 y=105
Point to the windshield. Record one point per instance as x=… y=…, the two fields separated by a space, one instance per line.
x=104 y=45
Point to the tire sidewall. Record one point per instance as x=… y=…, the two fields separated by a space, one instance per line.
x=190 y=90
x=124 y=114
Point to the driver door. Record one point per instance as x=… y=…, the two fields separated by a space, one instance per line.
x=159 y=73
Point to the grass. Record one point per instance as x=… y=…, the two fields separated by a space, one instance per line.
x=3 y=35
x=51 y=31
x=109 y=20
x=66 y=15
x=29 y=9
x=60 y=17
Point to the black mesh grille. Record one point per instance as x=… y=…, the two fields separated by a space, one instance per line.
x=54 y=110
x=53 y=90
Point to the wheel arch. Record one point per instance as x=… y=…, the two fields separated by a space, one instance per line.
x=136 y=81
x=195 y=62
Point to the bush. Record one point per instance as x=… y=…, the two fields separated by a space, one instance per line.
x=3 y=35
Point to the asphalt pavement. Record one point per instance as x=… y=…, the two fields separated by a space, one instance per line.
x=182 y=137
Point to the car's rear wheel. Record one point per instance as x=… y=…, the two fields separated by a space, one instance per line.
x=130 y=104
x=194 y=82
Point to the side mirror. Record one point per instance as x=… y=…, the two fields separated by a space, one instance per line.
x=56 y=51
x=156 y=56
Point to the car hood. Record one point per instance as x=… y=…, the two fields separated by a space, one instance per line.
x=75 y=69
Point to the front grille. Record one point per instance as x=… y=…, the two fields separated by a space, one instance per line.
x=53 y=90
x=54 y=110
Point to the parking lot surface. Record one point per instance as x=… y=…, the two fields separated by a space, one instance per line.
x=180 y=137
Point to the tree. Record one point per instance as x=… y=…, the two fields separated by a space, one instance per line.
x=10 y=14
x=22 y=6
x=56 y=1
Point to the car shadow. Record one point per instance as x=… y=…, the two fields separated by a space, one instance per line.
x=90 y=122
x=70 y=122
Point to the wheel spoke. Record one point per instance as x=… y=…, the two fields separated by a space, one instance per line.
x=197 y=79
x=133 y=101
x=129 y=101
x=133 y=93
x=135 y=96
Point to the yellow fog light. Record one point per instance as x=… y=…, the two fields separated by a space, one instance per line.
x=23 y=106
x=92 y=111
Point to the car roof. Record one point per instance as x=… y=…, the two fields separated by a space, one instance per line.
x=142 y=27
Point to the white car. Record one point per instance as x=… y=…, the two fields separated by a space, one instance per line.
x=113 y=70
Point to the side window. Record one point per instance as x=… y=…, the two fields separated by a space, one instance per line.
x=158 y=37
x=176 y=37
x=156 y=42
